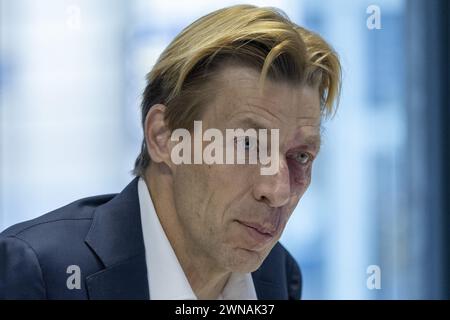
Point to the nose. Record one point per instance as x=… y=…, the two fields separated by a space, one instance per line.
x=274 y=190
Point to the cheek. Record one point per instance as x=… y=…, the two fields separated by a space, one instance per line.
x=299 y=176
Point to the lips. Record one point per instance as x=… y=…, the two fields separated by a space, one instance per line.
x=269 y=231
x=260 y=235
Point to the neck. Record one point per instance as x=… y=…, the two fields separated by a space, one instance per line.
x=206 y=280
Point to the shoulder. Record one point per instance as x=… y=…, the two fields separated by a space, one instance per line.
x=68 y=216
x=35 y=254
x=62 y=227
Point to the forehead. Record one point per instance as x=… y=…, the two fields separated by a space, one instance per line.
x=278 y=105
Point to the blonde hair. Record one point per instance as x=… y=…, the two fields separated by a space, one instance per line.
x=262 y=38
x=323 y=68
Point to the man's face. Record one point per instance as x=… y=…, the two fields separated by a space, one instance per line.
x=232 y=214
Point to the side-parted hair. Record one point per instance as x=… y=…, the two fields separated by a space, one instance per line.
x=262 y=38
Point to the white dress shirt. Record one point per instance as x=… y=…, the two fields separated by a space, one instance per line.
x=166 y=278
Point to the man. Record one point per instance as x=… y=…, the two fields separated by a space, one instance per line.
x=200 y=229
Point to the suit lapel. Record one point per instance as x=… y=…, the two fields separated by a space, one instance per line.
x=116 y=238
x=267 y=288
x=270 y=279
x=125 y=280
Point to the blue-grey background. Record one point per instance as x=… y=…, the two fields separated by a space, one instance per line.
x=72 y=74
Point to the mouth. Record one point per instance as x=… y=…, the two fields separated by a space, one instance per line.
x=258 y=233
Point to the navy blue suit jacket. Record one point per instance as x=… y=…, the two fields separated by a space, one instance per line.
x=102 y=235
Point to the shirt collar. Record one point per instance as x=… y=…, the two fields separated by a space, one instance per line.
x=166 y=278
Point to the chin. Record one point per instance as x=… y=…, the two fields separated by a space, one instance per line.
x=245 y=261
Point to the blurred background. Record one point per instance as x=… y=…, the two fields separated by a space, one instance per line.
x=71 y=78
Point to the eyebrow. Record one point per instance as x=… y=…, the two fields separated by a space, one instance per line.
x=250 y=122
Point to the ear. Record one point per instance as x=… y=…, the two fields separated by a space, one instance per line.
x=157 y=135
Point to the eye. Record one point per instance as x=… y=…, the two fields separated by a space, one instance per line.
x=303 y=158
x=248 y=142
